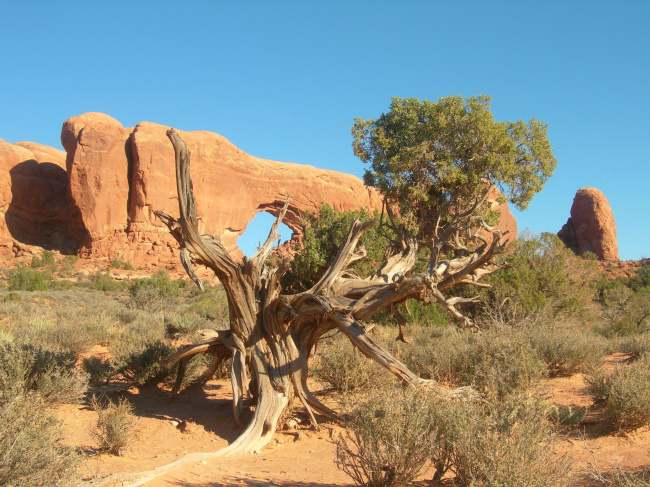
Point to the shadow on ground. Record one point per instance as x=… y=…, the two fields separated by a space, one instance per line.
x=209 y=406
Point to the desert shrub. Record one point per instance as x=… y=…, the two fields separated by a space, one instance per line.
x=617 y=477
x=497 y=362
x=114 y=428
x=344 y=368
x=151 y=294
x=135 y=336
x=60 y=386
x=12 y=298
x=598 y=383
x=211 y=305
x=626 y=392
x=439 y=354
x=421 y=315
x=50 y=374
x=635 y=345
x=65 y=328
x=626 y=312
x=195 y=370
x=566 y=351
x=98 y=370
x=25 y=279
x=389 y=438
x=102 y=281
x=506 y=444
x=503 y=364
x=67 y=265
x=15 y=371
x=46 y=259
x=543 y=277
x=31 y=451
x=120 y=264
x=142 y=366
x=177 y=326
x=641 y=279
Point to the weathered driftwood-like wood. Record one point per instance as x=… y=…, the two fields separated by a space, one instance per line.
x=275 y=334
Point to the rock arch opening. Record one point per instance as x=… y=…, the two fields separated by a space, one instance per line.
x=256 y=231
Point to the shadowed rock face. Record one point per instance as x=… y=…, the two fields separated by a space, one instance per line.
x=34 y=205
x=98 y=198
x=591 y=227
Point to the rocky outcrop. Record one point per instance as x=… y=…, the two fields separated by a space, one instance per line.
x=591 y=227
x=34 y=199
x=119 y=176
x=98 y=198
x=231 y=186
x=98 y=161
x=507 y=221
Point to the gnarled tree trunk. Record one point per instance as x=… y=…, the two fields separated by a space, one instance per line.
x=275 y=333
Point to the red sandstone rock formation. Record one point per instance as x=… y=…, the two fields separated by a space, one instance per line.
x=100 y=197
x=507 y=222
x=591 y=227
x=119 y=176
x=34 y=206
x=98 y=150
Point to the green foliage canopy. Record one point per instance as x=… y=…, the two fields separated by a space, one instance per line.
x=429 y=159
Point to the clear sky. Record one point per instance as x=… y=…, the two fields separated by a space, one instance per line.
x=284 y=80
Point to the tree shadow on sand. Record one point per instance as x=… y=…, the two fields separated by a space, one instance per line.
x=199 y=405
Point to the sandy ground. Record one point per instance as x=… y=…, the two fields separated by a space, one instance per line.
x=303 y=459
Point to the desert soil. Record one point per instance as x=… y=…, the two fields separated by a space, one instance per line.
x=303 y=458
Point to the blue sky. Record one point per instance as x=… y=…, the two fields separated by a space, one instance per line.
x=284 y=80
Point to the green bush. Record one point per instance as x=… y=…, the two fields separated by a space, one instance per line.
x=46 y=259
x=31 y=451
x=389 y=438
x=505 y=444
x=543 y=277
x=114 y=428
x=102 y=281
x=98 y=370
x=25 y=279
x=12 y=298
x=142 y=366
x=626 y=392
x=152 y=294
x=120 y=264
x=322 y=235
